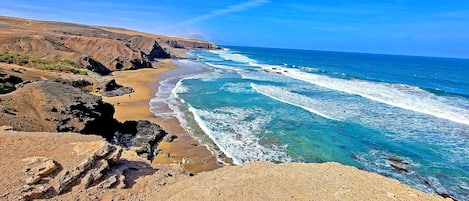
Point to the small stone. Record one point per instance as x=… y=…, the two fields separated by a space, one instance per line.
x=185 y=160
x=170 y=138
x=40 y=166
x=6 y=128
x=33 y=179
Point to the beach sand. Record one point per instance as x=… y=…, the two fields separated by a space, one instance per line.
x=136 y=107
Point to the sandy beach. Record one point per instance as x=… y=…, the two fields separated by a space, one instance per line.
x=136 y=107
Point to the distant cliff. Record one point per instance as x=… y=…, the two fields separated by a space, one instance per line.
x=101 y=49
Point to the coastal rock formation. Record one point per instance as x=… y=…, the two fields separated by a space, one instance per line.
x=112 y=89
x=55 y=107
x=32 y=171
x=142 y=135
x=12 y=75
x=99 y=49
x=67 y=166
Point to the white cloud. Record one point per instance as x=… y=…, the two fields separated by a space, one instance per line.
x=225 y=11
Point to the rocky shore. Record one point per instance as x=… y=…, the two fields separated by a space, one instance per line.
x=66 y=136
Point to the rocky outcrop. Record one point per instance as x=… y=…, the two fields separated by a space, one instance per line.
x=47 y=178
x=99 y=49
x=55 y=107
x=69 y=166
x=95 y=66
x=12 y=76
x=142 y=135
x=8 y=82
x=111 y=89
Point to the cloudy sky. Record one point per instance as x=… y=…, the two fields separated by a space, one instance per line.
x=410 y=27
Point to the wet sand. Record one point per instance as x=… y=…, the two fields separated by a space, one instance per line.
x=136 y=107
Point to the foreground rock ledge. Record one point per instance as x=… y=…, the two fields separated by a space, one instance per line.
x=292 y=181
x=68 y=166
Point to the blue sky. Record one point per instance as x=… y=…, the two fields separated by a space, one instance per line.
x=410 y=27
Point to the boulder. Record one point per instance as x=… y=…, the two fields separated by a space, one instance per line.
x=142 y=134
x=111 y=89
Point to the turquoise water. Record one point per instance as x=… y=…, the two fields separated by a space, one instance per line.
x=314 y=106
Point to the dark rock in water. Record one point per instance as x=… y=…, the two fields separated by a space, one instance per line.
x=398 y=160
x=446 y=195
x=142 y=134
x=399 y=168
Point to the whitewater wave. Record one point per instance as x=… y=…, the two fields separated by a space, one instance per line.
x=236 y=132
x=230 y=56
x=397 y=95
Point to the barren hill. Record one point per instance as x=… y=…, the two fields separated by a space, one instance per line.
x=96 y=48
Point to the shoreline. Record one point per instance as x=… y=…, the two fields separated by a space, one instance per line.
x=185 y=150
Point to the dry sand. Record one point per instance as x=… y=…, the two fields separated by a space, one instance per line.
x=136 y=107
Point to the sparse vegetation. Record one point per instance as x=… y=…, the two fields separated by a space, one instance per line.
x=43 y=64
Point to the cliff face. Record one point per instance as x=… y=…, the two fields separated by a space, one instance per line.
x=101 y=49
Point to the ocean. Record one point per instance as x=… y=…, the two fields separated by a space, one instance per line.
x=403 y=117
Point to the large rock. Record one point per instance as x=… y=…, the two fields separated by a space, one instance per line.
x=111 y=88
x=55 y=107
x=143 y=135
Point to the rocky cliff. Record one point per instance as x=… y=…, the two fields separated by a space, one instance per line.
x=100 y=49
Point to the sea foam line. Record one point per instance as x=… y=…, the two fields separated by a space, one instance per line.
x=397 y=95
x=293 y=98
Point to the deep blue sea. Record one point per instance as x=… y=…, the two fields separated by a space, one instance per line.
x=364 y=110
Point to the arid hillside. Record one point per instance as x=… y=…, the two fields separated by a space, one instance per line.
x=101 y=49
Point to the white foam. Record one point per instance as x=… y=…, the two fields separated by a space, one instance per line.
x=391 y=120
x=290 y=98
x=236 y=132
x=238 y=87
x=397 y=95
x=228 y=55
x=224 y=67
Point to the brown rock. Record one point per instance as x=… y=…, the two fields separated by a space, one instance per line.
x=42 y=191
x=109 y=182
x=398 y=160
x=40 y=166
x=33 y=179
x=399 y=168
